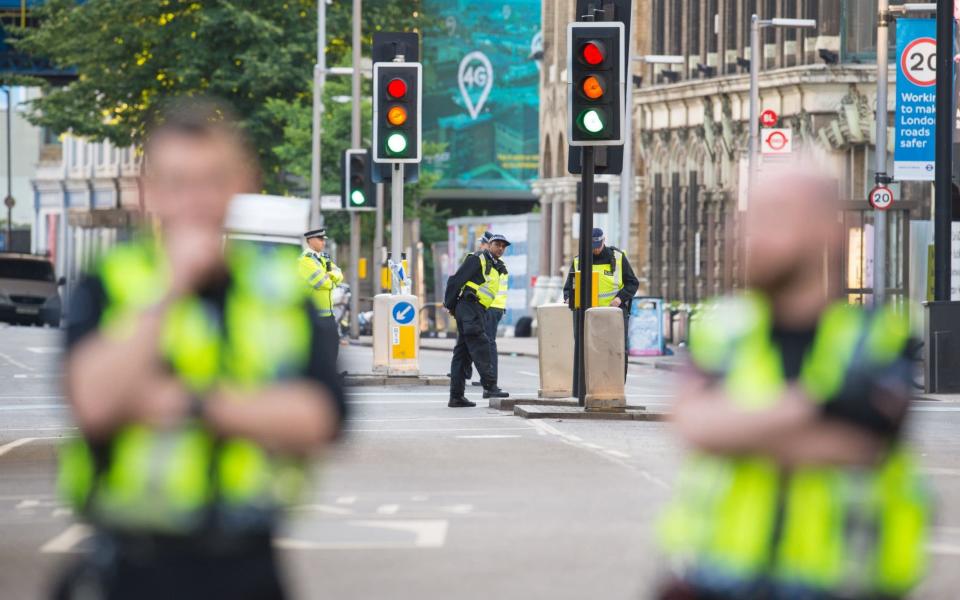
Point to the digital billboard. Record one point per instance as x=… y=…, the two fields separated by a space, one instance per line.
x=481 y=93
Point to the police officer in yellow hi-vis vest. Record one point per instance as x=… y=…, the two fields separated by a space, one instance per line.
x=322 y=276
x=198 y=385
x=617 y=284
x=469 y=293
x=799 y=484
x=499 y=305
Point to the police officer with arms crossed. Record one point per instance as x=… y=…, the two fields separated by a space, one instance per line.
x=470 y=292
x=618 y=285
x=799 y=484
x=197 y=382
x=323 y=276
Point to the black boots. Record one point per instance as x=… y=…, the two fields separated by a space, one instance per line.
x=460 y=402
x=495 y=393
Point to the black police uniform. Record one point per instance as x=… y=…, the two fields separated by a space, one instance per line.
x=472 y=341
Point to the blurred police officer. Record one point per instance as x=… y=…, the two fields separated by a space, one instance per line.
x=617 y=286
x=322 y=276
x=800 y=485
x=470 y=292
x=197 y=383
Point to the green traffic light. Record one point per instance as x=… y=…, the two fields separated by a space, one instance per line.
x=357 y=197
x=591 y=121
x=396 y=143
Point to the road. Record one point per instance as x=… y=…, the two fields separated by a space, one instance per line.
x=424 y=502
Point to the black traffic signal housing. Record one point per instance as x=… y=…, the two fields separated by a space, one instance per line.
x=595 y=88
x=356 y=187
x=397 y=104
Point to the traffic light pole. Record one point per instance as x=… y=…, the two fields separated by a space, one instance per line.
x=943 y=186
x=319 y=79
x=880 y=216
x=586 y=266
x=355 y=142
x=377 y=241
x=396 y=223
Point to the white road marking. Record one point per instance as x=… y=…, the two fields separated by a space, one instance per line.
x=361 y=402
x=45 y=349
x=67 y=540
x=35 y=407
x=435 y=430
x=389 y=394
x=459 y=509
x=935 y=408
x=425 y=418
x=64 y=429
x=486 y=437
x=429 y=534
x=599 y=451
x=617 y=453
x=528 y=374
x=51 y=397
x=948 y=549
x=388 y=509
x=346 y=500
x=16 y=362
x=940 y=471
x=323 y=508
x=21 y=442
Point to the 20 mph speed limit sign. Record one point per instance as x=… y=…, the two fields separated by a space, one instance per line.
x=881 y=197
x=919 y=61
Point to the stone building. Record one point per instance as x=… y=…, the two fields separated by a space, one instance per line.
x=691 y=133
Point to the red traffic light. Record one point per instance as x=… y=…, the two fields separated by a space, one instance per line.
x=593 y=53
x=397 y=88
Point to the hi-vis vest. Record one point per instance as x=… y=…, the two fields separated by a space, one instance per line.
x=823 y=528
x=502 y=286
x=322 y=281
x=148 y=480
x=487 y=292
x=610 y=279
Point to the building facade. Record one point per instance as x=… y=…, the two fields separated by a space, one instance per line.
x=690 y=138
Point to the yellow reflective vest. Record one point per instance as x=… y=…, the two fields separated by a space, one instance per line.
x=502 y=286
x=323 y=277
x=165 y=481
x=487 y=292
x=821 y=528
x=610 y=277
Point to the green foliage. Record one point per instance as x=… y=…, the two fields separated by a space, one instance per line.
x=258 y=55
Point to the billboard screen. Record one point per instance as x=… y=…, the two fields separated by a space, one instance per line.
x=481 y=93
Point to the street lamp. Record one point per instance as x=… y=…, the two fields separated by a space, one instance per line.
x=756 y=24
x=628 y=173
x=9 y=201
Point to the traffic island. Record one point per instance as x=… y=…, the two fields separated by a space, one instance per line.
x=374 y=379
x=539 y=411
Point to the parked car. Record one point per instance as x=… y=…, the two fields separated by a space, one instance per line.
x=29 y=290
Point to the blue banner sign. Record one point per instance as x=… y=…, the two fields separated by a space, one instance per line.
x=914 y=153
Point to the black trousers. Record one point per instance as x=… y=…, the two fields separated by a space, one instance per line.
x=329 y=333
x=147 y=570
x=494 y=315
x=576 y=347
x=472 y=346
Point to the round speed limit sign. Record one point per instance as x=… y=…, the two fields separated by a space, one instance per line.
x=881 y=197
x=918 y=63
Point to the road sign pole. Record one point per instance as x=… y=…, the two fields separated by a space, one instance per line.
x=880 y=216
x=319 y=79
x=586 y=266
x=944 y=152
x=377 y=238
x=754 y=147
x=355 y=142
x=396 y=222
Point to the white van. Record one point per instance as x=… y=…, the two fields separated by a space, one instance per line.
x=268 y=220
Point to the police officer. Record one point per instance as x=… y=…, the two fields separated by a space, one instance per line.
x=323 y=276
x=800 y=485
x=499 y=306
x=617 y=286
x=198 y=385
x=470 y=292
x=483 y=244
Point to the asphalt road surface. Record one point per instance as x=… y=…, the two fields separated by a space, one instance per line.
x=424 y=502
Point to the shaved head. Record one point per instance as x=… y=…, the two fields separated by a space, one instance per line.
x=792 y=219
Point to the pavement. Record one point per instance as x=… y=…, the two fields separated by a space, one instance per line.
x=424 y=502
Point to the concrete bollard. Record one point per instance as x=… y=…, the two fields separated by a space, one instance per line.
x=555 y=343
x=604 y=359
x=381 y=325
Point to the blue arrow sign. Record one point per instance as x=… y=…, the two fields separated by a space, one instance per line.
x=403 y=313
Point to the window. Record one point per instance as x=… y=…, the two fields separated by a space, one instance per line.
x=659 y=29
x=693 y=28
x=710 y=25
x=858 y=30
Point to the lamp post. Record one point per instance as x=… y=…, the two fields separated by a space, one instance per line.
x=756 y=24
x=9 y=202
x=628 y=174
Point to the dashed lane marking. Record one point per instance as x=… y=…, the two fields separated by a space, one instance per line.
x=428 y=534
x=529 y=374
x=4 y=449
x=16 y=363
x=436 y=430
x=45 y=349
x=388 y=509
x=67 y=540
x=486 y=437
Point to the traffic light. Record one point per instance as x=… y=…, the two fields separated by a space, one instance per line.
x=396 y=112
x=596 y=65
x=356 y=189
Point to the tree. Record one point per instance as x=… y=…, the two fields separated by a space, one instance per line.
x=130 y=55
